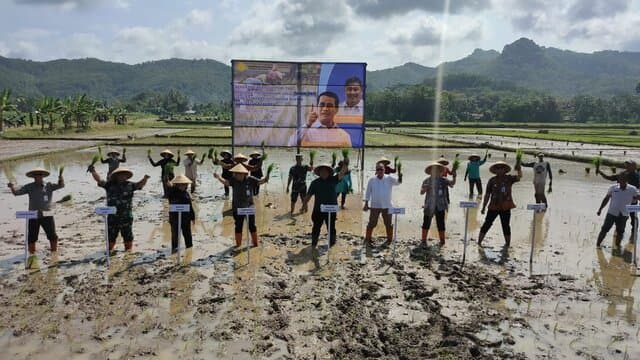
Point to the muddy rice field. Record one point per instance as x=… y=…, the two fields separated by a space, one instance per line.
x=282 y=300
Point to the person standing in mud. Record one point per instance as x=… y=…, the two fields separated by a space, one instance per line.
x=177 y=194
x=324 y=190
x=436 y=202
x=540 y=171
x=191 y=164
x=473 y=173
x=633 y=178
x=120 y=195
x=344 y=185
x=255 y=161
x=298 y=177
x=114 y=160
x=40 y=199
x=620 y=195
x=499 y=192
x=378 y=195
x=167 y=164
x=243 y=185
x=226 y=163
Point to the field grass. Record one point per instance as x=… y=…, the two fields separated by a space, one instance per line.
x=177 y=141
x=210 y=132
x=377 y=138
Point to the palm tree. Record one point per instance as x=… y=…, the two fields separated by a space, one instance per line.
x=5 y=105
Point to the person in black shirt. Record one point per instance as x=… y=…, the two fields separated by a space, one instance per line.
x=114 y=160
x=177 y=194
x=255 y=161
x=226 y=163
x=298 y=176
x=167 y=164
x=242 y=184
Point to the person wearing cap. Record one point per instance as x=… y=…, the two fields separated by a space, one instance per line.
x=255 y=162
x=298 y=177
x=620 y=195
x=377 y=200
x=540 y=171
x=324 y=190
x=473 y=173
x=226 y=163
x=386 y=163
x=167 y=164
x=191 y=164
x=120 y=195
x=40 y=199
x=499 y=192
x=633 y=178
x=436 y=202
x=114 y=160
x=243 y=185
x=177 y=194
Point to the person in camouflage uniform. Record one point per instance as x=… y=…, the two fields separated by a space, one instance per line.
x=119 y=195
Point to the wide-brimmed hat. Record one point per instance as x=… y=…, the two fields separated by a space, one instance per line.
x=498 y=164
x=37 y=171
x=443 y=161
x=540 y=154
x=239 y=169
x=181 y=179
x=189 y=152
x=384 y=161
x=113 y=151
x=431 y=166
x=255 y=153
x=316 y=170
x=240 y=156
x=166 y=152
x=474 y=156
x=122 y=170
x=225 y=152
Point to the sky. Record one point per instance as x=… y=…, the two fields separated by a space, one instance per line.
x=382 y=33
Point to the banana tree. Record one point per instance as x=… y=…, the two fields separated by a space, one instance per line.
x=5 y=105
x=49 y=106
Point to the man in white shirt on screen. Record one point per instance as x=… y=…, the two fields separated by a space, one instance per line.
x=353 y=104
x=377 y=200
x=320 y=129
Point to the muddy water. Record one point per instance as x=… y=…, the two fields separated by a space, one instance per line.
x=579 y=301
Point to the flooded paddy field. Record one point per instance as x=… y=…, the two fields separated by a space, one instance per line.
x=283 y=301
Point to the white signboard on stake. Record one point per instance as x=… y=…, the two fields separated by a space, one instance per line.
x=26 y=214
x=329 y=208
x=468 y=204
x=536 y=207
x=397 y=211
x=246 y=211
x=180 y=208
x=107 y=210
x=633 y=208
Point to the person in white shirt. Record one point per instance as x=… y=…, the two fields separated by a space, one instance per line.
x=321 y=129
x=540 y=171
x=621 y=195
x=353 y=104
x=378 y=201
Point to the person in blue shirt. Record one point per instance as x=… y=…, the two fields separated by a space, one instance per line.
x=473 y=173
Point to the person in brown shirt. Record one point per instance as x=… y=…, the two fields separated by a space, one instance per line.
x=499 y=192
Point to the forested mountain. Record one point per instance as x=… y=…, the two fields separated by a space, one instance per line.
x=522 y=64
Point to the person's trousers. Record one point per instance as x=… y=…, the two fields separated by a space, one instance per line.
x=505 y=218
x=477 y=183
x=318 y=218
x=619 y=221
x=186 y=230
x=47 y=223
x=426 y=219
x=239 y=222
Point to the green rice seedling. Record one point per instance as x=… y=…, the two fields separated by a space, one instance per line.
x=149 y=152
x=399 y=166
x=64 y=199
x=345 y=153
x=396 y=159
x=596 y=162
x=270 y=169
x=264 y=157
x=61 y=170
x=519 y=155
x=210 y=153
x=334 y=156
x=456 y=163
x=312 y=155
x=203 y=156
x=95 y=159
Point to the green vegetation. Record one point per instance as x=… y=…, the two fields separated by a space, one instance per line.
x=376 y=138
x=178 y=141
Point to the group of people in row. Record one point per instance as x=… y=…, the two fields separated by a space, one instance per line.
x=244 y=175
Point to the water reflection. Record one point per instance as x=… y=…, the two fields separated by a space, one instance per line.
x=615 y=281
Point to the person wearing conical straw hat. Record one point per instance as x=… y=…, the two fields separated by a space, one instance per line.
x=436 y=202
x=114 y=160
x=191 y=164
x=297 y=180
x=473 y=173
x=324 y=190
x=226 y=163
x=167 y=164
x=387 y=165
x=177 y=194
x=40 y=199
x=541 y=169
x=120 y=195
x=498 y=197
x=256 y=159
x=377 y=200
x=242 y=184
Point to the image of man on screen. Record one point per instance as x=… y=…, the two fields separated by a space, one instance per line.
x=353 y=104
x=320 y=129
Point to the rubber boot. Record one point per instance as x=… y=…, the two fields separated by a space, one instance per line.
x=238 y=240
x=54 y=245
x=254 y=238
x=441 y=236
x=32 y=248
x=480 y=238
x=367 y=237
x=507 y=240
